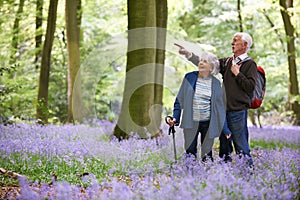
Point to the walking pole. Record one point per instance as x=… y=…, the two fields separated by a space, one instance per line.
x=172 y=129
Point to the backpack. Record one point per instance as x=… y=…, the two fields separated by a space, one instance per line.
x=260 y=87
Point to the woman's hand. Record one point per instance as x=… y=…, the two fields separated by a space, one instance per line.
x=171 y=121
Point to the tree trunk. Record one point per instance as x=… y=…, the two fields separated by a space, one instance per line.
x=15 y=34
x=161 y=23
x=38 y=30
x=73 y=44
x=290 y=31
x=42 y=106
x=140 y=113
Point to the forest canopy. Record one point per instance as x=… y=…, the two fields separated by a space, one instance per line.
x=101 y=55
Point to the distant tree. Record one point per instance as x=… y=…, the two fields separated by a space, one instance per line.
x=268 y=18
x=42 y=106
x=239 y=15
x=73 y=18
x=291 y=54
x=142 y=97
x=38 y=30
x=1 y=3
x=15 y=33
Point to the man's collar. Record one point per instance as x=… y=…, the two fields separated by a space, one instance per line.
x=243 y=56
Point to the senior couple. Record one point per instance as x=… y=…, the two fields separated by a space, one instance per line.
x=203 y=106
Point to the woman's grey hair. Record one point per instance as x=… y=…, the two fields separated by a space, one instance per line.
x=213 y=60
x=246 y=38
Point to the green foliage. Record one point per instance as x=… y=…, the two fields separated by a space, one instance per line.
x=16 y=93
x=215 y=23
x=19 y=82
x=9 y=88
x=272 y=145
x=211 y=23
x=43 y=110
x=198 y=21
x=108 y=92
x=44 y=170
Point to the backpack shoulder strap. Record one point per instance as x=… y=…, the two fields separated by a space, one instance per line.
x=228 y=60
x=246 y=59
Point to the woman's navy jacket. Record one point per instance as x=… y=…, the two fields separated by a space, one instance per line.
x=184 y=104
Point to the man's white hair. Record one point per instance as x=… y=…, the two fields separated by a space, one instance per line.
x=246 y=38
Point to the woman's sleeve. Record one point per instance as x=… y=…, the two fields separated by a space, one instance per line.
x=226 y=130
x=178 y=104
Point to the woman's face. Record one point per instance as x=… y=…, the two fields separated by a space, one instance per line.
x=204 y=66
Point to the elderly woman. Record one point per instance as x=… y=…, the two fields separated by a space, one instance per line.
x=200 y=100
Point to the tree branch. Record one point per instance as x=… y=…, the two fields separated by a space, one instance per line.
x=10 y=173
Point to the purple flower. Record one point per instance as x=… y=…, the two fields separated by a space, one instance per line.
x=147 y=167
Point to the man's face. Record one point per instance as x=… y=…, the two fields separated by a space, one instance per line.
x=238 y=45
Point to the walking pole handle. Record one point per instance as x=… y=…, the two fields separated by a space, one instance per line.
x=171 y=129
